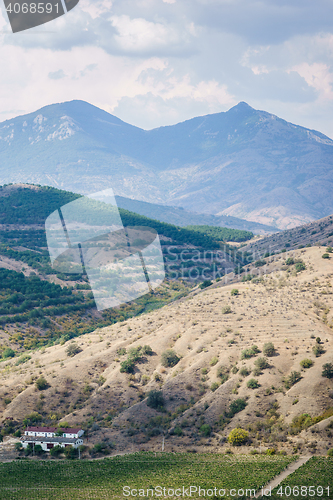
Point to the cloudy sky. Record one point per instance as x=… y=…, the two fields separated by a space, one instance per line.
x=158 y=62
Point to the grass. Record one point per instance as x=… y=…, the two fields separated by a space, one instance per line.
x=105 y=479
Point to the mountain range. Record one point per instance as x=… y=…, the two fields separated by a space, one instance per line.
x=244 y=163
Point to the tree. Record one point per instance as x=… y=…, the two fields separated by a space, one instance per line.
x=205 y=284
x=306 y=363
x=261 y=363
x=41 y=384
x=155 y=400
x=73 y=349
x=327 y=370
x=169 y=358
x=38 y=449
x=56 y=451
x=8 y=353
x=253 y=383
x=269 y=349
x=205 y=429
x=238 y=436
x=293 y=378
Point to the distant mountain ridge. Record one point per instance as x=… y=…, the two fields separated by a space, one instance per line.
x=245 y=163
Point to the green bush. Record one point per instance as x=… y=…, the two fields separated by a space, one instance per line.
x=244 y=372
x=169 y=358
x=234 y=291
x=253 y=383
x=306 y=363
x=261 y=363
x=213 y=361
x=260 y=263
x=178 y=431
x=41 y=384
x=327 y=370
x=73 y=349
x=205 y=284
x=8 y=353
x=71 y=453
x=223 y=373
x=290 y=261
x=206 y=430
x=38 y=449
x=268 y=349
x=121 y=351
x=318 y=350
x=127 y=366
x=293 y=378
x=155 y=400
x=325 y=256
x=56 y=451
x=300 y=266
x=214 y=386
x=330 y=453
x=238 y=436
x=249 y=353
x=235 y=407
x=146 y=350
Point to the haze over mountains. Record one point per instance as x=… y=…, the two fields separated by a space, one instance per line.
x=245 y=163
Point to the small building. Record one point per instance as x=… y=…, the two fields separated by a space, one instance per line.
x=48 y=437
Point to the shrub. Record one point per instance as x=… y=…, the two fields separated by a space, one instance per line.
x=300 y=266
x=71 y=452
x=329 y=249
x=146 y=350
x=8 y=353
x=38 y=449
x=145 y=379
x=260 y=263
x=56 y=451
x=23 y=359
x=318 y=350
x=249 y=353
x=306 y=363
x=178 y=431
x=155 y=400
x=73 y=349
x=253 y=383
x=327 y=370
x=325 y=256
x=205 y=284
x=18 y=447
x=41 y=384
x=234 y=291
x=223 y=373
x=226 y=310
x=293 y=378
x=169 y=358
x=269 y=349
x=235 y=407
x=205 y=429
x=238 y=436
x=213 y=361
x=261 y=363
x=214 y=386
x=244 y=372
x=121 y=351
x=290 y=261
x=32 y=418
x=127 y=366
x=330 y=452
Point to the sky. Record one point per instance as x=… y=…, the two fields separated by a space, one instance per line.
x=158 y=62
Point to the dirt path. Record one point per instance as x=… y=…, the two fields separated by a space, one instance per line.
x=289 y=470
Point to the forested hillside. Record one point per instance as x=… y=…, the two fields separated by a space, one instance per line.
x=40 y=305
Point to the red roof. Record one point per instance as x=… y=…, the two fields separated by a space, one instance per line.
x=41 y=429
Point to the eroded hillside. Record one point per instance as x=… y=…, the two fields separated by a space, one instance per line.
x=220 y=338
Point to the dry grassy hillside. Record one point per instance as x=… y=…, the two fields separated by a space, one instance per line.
x=288 y=308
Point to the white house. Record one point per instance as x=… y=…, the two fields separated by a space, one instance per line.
x=47 y=438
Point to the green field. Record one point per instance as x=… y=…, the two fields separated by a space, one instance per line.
x=105 y=479
x=318 y=473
